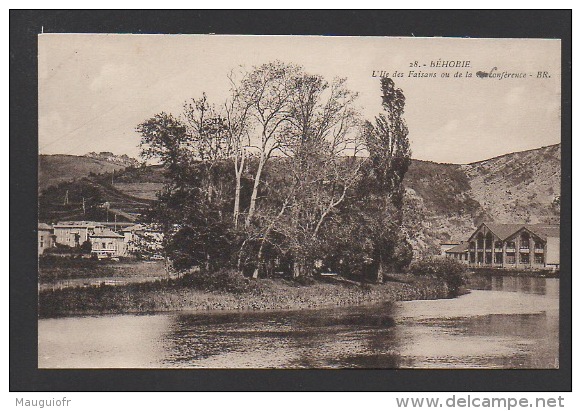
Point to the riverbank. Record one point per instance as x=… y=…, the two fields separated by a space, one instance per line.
x=264 y=294
x=66 y=273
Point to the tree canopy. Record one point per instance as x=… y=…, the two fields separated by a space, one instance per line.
x=288 y=154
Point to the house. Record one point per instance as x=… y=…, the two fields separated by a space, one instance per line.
x=45 y=237
x=75 y=233
x=459 y=252
x=144 y=239
x=130 y=234
x=107 y=243
x=514 y=246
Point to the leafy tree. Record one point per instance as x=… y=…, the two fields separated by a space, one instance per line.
x=317 y=172
x=198 y=230
x=165 y=139
x=237 y=115
x=319 y=202
x=192 y=209
x=267 y=92
x=390 y=156
x=86 y=247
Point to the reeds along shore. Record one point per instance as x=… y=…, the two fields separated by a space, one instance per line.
x=179 y=294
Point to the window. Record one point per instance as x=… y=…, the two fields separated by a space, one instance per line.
x=498 y=258
x=510 y=244
x=498 y=244
x=480 y=241
x=488 y=258
x=524 y=258
x=489 y=241
x=510 y=258
x=539 y=259
x=41 y=242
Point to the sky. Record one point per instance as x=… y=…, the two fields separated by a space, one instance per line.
x=94 y=89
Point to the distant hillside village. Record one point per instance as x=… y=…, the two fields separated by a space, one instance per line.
x=122 y=160
x=101 y=240
x=517 y=246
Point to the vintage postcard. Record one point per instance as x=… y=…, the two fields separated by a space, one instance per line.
x=314 y=202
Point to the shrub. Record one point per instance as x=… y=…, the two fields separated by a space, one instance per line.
x=222 y=280
x=60 y=249
x=304 y=280
x=451 y=271
x=49 y=260
x=86 y=247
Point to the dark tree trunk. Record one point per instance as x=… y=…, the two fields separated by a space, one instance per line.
x=381 y=269
x=380 y=273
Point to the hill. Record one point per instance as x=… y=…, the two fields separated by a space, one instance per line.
x=445 y=202
x=90 y=198
x=519 y=186
x=57 y=168
x=86 y=188
x=438 y=205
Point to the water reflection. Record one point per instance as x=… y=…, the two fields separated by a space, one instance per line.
x=505 y=323
x=297 y=339
x=527 y=285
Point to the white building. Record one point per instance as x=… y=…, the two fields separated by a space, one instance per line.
x=108 y=244
x=75 y=233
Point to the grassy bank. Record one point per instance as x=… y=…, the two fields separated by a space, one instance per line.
x=181 y=294
x=52 y=270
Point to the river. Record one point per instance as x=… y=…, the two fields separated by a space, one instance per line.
x=505 y=322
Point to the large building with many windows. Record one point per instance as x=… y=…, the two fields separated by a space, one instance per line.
x=524 y=246
x=75 y=233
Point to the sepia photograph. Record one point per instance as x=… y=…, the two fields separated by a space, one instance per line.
x=298 y=202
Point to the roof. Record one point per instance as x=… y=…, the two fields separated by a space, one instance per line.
x=77 y=224
x=504 y=231
x=134 y=227
x=460 y=248
x=44 y=226
x=106 y=234
x=544 y=230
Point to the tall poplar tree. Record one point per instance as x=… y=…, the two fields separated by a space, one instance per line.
x=390 y=157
